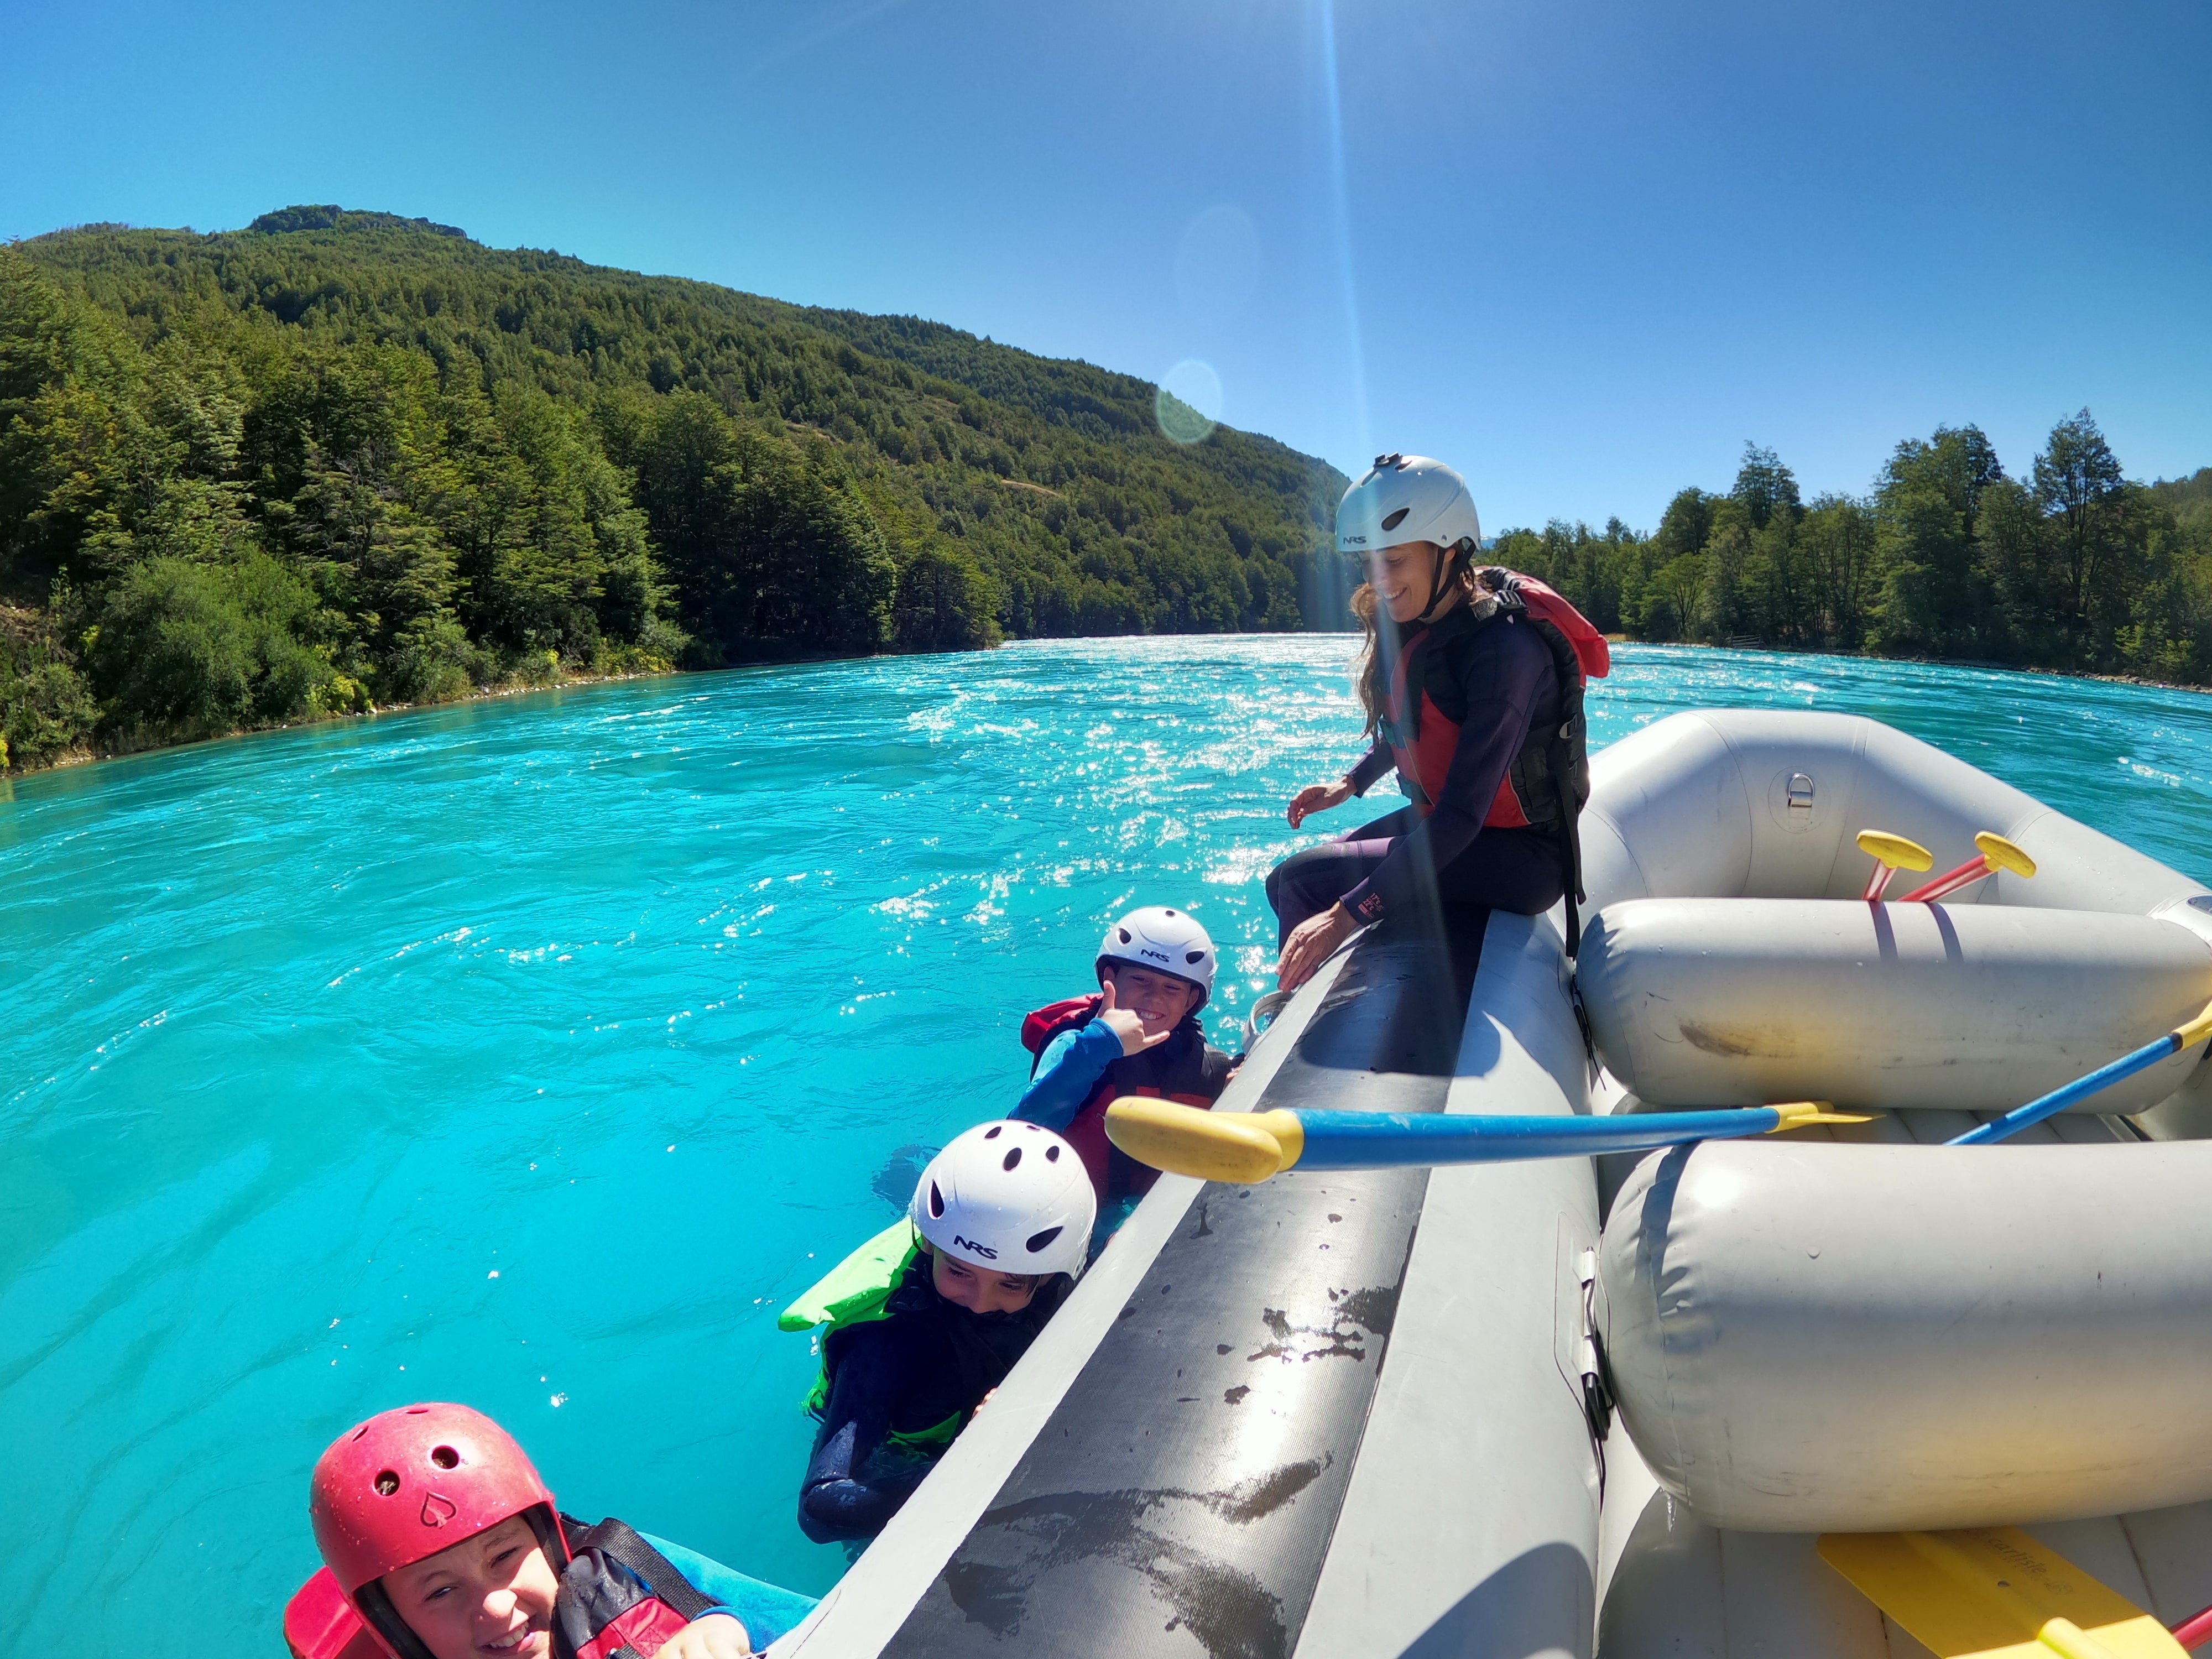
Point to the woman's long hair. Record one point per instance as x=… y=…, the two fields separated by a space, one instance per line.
x=1378 y=648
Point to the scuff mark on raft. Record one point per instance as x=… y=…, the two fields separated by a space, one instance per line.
x=1229 y=1610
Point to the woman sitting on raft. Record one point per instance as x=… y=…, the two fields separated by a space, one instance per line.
x=1001 y=1226
x=1472 y=684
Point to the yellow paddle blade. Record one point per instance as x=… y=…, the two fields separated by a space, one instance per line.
x=1799 y=1113
x=2000 y=854
x=2197 y=1030
x=1238 y=1146
x=1994 y=1593
x=1895 y=851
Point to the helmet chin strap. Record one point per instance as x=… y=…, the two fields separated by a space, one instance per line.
x=1436 y=585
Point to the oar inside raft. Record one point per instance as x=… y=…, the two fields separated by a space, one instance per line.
x=1890 y=854
x=1995 y=853
x=1995 y=1593
x=1245 y=1147
x=2003 y=1129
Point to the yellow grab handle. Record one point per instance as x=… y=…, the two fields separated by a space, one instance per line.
x=1895 y=851
x=2000 y=854
x=1243 y=1147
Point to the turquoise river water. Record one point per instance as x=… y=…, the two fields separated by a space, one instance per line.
x=534 y=1052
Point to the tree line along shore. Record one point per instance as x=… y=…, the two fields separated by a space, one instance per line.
x=342 y=460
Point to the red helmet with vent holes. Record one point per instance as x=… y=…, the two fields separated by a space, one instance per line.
x=411 y=1482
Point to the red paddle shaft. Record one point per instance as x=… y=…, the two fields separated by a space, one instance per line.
x=1950 y=882
x=2194 y=1632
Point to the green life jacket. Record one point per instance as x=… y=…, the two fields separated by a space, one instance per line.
x=854 y=1293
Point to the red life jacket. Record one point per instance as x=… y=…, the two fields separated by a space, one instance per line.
x=1183 y=1069
x=1423 y=741
x=618 y=1596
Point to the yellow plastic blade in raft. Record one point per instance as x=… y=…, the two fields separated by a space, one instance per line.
x=1236 y=1146
x=2000 y=854
x=1895 y=851
x=1796 y=1113
x=1994 y=1593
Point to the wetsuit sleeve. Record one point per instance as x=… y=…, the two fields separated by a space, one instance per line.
x=1505 y=674
x=1372 y=765
x=1067 y=1074
x=846 y=1494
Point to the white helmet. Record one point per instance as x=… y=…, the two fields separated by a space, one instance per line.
x=1168 y=941
x=1009 y=1195
x=1406 y=498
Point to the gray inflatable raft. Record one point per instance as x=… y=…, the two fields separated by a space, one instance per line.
x=1887 y=1334
x=1362 y=1413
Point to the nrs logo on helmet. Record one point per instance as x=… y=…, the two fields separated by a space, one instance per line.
x=1407 y=498
x=1162 y=937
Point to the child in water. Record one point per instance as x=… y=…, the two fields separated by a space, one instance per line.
x=1137 y=1033
x=924 y=1328
x=440 y=1541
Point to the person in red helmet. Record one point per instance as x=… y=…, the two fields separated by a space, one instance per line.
x=440 y=1541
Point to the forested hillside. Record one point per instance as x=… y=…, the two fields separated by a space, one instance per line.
x=2066 y=565
x=342 y=457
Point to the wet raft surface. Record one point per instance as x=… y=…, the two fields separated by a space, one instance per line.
x=1182 y=1499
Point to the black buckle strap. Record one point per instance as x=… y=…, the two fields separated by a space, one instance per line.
x=618 y=1541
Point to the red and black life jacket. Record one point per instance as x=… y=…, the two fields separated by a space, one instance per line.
x=1547 y=782
x=620 y=1598
x=1183 y=1068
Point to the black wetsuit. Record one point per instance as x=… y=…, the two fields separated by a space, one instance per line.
x=1495 y=677
x=928 y=1360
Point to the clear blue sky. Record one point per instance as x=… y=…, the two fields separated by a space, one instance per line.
x=1584 y=249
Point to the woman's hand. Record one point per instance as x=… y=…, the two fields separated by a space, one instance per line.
x=712 y=1636
x=1318 y=797
x=1310 y=944
x=1127 y=1026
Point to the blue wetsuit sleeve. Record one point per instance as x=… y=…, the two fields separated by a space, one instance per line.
x=846 y=1494
x=1067 y=1074
x=1505 y=677
x=1372 y=765
x=768 y=1612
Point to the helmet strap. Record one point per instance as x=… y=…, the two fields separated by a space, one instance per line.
x=1444 y=555
x=374 y=1606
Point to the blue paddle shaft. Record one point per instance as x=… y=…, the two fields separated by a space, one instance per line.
x=1383 y=1140
x=2001 y=1128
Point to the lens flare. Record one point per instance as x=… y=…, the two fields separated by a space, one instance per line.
x=1189 y=403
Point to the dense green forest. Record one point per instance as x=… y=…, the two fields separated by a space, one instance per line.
x=341 y=459
x=2068 y=565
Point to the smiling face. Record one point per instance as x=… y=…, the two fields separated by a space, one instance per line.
x=488 y=1597
x=978 y=1289
x=1403 y=575
x=1159 y=1000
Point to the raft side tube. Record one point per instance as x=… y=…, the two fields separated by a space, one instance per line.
x=1175 y=1467
x=1187 y=1486
x=1743 y=1002
x=1841 y=1338
x=866 y=1606
x=1470 y=1525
